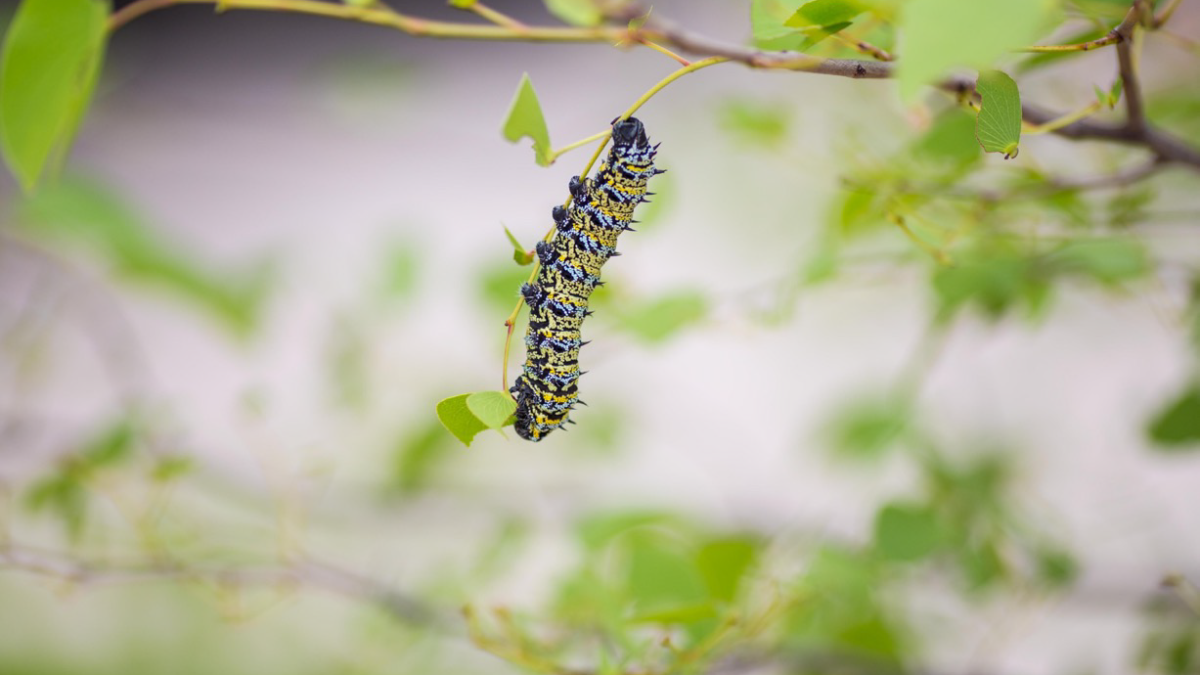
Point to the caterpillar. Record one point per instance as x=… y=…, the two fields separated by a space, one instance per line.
x=585 y=238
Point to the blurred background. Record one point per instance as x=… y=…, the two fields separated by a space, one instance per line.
x=279 y=242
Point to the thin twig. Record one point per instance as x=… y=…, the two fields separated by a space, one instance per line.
x=1052 y=125
x=304 y=573
x=1180 y=41
x=659 y=30
x=1136 y=120
x=384 y=16
x=498 y=18
x=1165 y=15
x=1111 y=38
x=863 y=46
x=1120 y=33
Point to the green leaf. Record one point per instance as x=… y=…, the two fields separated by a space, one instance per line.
x=1177 y=426
x=597 y=530
x=1114 y=94
x=525 y=119
x=981 y=564
x=659 y=319
x=48 y=70
x=723 y=564
x=400 y=270
x=995 y=277
x=775 y=25
x=575 y=12
x=348 y=363
x=950 y=142
x=767 y=21
x=88 y=215
x=678 y=614
x=1193 y=314
x=998 y=127
x=521 y=255
x=825 y=13
x=418 y=453
x=62 y=494
x=845 y=578
x=458 y=418
x=463 y=4
x=1056 y=567
x=940 y=34
x=111 y=446
x=843 y=610
x=906 y=532
x=1108 y=261
x=867 y=428
x=768 y=26
x=660 y=576
x=171 y=467
x=493 y=408
x=764 y=124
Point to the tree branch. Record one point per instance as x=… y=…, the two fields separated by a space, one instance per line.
x=1136 y=120
x=307 y=573
x=657 y=29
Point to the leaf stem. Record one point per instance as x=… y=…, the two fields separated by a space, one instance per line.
x=1111 y=38
x=691 y=68
x=863 y=47
x=1165 y=14
x=1065 y=120
x=554 y=154
x=934 y=252
x=498 y=18
x=663 y=50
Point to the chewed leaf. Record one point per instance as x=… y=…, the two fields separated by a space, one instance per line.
x=492 y=408
x=998 y=127
x=521 y=255
x=458 y=419
x=525 y=119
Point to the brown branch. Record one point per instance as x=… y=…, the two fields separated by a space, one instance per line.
x=1124 y=178
x=655 y=28
x=1162 y=144
x=1136 y=120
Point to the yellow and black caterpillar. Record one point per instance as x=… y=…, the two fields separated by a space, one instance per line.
x=585 y=238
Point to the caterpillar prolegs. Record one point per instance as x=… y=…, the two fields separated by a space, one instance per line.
x=585 y=238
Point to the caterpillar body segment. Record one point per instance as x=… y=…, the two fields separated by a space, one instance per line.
x=585 y=238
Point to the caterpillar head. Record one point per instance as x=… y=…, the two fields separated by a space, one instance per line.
x=629 y=132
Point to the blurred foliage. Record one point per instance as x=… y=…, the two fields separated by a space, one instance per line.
x=51 y=59
x=90 y=217
x=591 y=586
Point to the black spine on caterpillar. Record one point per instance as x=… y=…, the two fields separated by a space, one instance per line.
x=585 y=238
